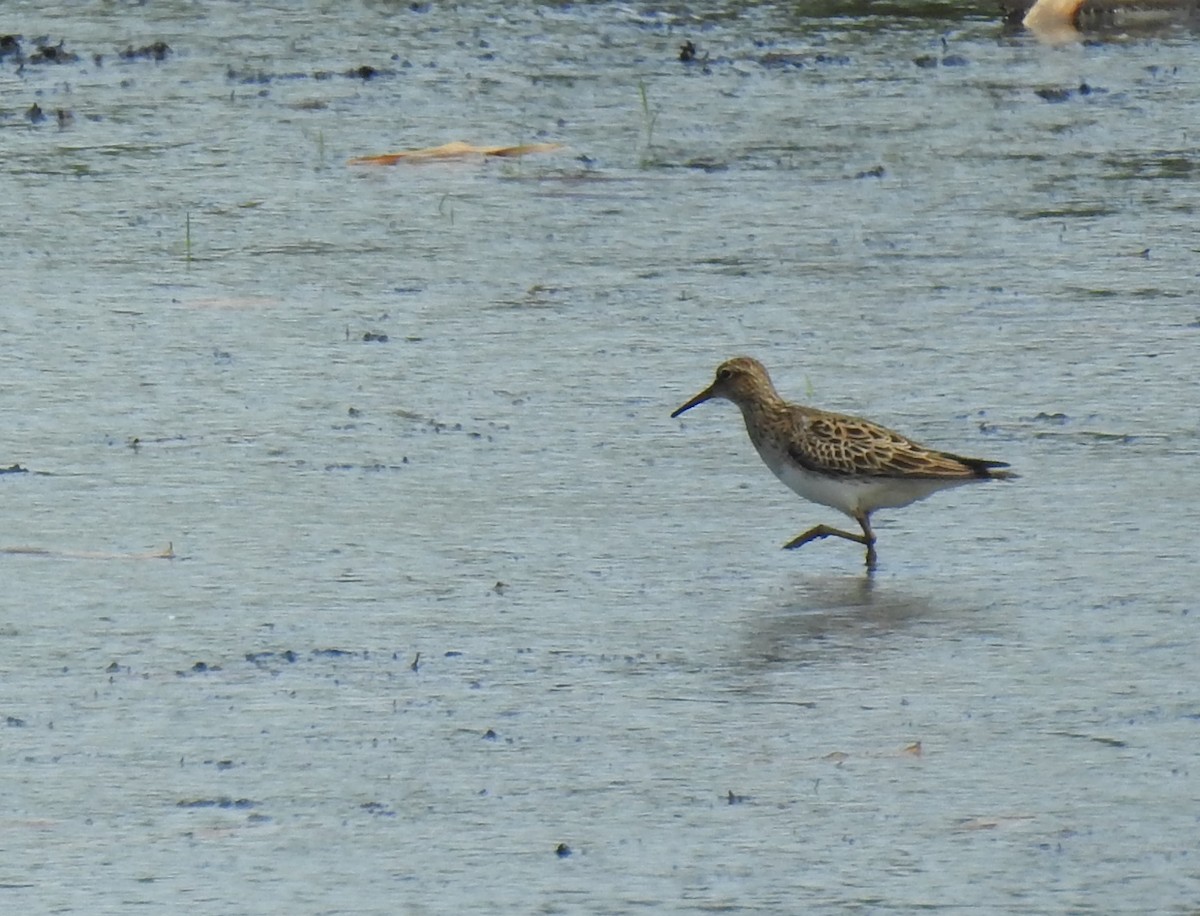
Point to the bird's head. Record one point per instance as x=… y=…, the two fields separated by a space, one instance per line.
x=742 y=380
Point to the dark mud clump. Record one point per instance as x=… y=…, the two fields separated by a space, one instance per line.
x=223 y=802
x=334 y=653
x=52 y=54
x=932 y=61
x=365 y=73
x=46 y=53
x=157 y=51
x=379 y=809
x=199 y=668
x=1055 y=94
x=261 y=659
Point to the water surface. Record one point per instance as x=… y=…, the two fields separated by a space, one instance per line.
x=923 y=217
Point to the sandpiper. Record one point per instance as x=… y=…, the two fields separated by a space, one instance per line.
x=844 y=462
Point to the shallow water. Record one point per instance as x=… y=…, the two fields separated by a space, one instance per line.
x=613 y=652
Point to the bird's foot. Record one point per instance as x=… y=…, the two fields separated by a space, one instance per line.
x=824 y=531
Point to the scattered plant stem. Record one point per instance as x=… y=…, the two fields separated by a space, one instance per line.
x=649 y=118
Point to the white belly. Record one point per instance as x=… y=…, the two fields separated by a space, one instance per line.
x=854 y=495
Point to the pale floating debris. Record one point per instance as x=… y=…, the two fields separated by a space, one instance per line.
x=1053 y=17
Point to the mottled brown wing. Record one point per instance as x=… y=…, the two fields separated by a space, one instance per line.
x=850 y=447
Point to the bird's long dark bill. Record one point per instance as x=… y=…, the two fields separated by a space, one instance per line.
x=703 y=396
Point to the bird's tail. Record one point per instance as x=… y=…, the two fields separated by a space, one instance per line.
x=989 y=470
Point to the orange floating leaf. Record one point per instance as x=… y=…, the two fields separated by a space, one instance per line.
x=456 y=150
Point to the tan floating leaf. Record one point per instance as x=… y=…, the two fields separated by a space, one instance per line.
x=234 y=302
x=455 y=150
x=992 y=823
x=167 y=553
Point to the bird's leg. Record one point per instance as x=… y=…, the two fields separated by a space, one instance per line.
x=867 y=538
x=864 y=519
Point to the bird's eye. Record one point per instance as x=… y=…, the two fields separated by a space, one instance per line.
x=724 y=375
